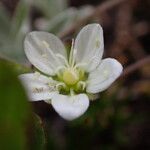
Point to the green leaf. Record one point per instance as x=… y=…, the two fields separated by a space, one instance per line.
x=20 y=19
x=65 y=19
x=14 y=110
x=19 y=68
x=13 y=31
x=38 y=136
x=59 y=22
x=4 y=22
x=50 y=8
x=15 y=113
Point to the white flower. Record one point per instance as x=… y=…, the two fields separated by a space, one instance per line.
x=67 y=81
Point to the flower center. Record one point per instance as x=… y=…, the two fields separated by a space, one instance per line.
x=70 y=76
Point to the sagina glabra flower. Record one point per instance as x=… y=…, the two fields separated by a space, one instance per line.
x=67 y=83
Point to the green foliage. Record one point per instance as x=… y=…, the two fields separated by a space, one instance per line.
x=14 y=110
x=50 y=8
x=20 y=19
x=4 y=24
x=38 y=140
x=13 y=31
x=15 y=113
x=64 y=20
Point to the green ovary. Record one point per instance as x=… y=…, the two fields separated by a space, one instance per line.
x=71 y=76
x=72 y=79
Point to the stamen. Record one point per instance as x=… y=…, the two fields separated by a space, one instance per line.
x=72 y=93
x=71 y=57
x=79 y=65
x=60 y=85
x=81 y=84
x=57 y=71
x=52 y=86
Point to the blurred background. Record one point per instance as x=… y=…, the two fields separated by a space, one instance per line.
x=118 y=120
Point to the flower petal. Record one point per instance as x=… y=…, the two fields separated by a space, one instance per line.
x=42 y=49
x=70 y=107
x=104 y=75
x=89 y=46
x=38 y=87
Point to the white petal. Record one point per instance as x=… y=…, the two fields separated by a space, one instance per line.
x=41 y=49
x=104 y=75
x=38 y=86
x=89 y=46
x=70 y=107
